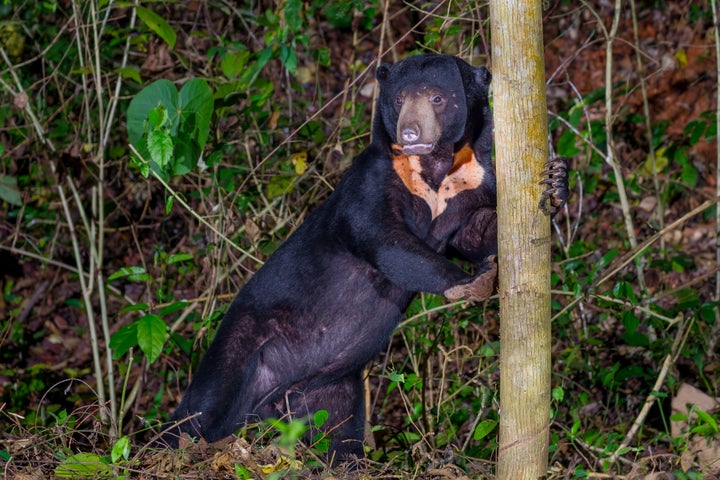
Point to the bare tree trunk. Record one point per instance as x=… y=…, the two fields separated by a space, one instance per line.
x=520 y=115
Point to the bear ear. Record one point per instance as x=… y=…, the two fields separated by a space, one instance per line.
x=482 y=75
x=383 y=72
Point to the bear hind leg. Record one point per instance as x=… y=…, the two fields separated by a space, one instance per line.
x=345 y=425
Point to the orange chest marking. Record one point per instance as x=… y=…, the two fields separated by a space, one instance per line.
x=465 y=174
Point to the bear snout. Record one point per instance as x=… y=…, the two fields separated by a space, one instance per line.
x=410 y=135
x=418 y=128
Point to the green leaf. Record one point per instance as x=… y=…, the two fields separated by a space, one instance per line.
x=234 y=63
x=484 y=428
x=320 y=418
x=134 y=308
x=123 y=340
x=179 y=257
x=121 y=449
x=126 y=271
x=169 y=204
x=151 y=333
x=706 y=418
x=678 y=417
x=173 y=307
x=9 y=191
x=689 y=174
x=293 y=15
x=158 y=25
x=157 y=116
x=160 y=92
x=279 y=185
x=288 y=57
x=131 y=72
x=322 y=56
x=160 y=146
x=196 y=108
x=83 y=465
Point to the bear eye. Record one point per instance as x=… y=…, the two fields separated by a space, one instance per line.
x=399 y=100
x=437 y=99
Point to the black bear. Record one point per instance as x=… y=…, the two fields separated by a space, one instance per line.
x=298 y=335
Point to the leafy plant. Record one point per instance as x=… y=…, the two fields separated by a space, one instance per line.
x=170 y=128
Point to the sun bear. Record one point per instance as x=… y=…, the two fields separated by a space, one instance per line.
x=298 y=335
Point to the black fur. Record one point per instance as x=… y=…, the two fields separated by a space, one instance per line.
x=300 y=332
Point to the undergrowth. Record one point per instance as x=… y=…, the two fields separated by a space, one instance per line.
x=126 y=228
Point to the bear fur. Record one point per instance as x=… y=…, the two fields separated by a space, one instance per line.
x=298 y=335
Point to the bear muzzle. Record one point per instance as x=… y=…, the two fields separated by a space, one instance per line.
x=418 y=128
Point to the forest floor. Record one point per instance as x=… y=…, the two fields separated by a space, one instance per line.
x=614 y=346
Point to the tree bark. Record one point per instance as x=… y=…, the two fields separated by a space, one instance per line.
x=520 y=116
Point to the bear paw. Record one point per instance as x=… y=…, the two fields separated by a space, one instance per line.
x=480 y=287
x=555 y=176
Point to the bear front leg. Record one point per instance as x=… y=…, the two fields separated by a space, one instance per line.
x=417 y=268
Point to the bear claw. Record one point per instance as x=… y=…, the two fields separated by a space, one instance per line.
x=555 y=176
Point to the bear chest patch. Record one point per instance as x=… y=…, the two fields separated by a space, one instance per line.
x=465 y=174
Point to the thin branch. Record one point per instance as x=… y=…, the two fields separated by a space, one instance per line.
x=182 y=202
x=635 y=252
x=611 y=158
x=648 y=124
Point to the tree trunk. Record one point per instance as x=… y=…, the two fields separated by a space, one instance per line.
x=520 y=116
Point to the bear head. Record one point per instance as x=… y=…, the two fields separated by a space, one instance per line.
x=431 y=100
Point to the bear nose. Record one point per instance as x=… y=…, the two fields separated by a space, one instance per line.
x=410 y=135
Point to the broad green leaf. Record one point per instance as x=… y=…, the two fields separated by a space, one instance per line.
x=158 y=25
x=160 y=92
x=233 y=63
x=293 y=15
x=9 y=191
x=320 y=418
x=157 y=116
x=186 y=151
x=484 y=428
x=288 y=57
x=121 y=449
x=689 y=174
x=151 y=333
x=131 y=72
x=630 y=321
x=280 y=185
x=123 y=340
x=196 y=108
x=160 y=146
x=84 y=465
